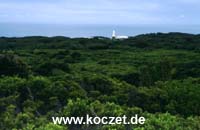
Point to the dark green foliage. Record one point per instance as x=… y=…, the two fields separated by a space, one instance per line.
x=154 y=75
x=11 y=64
x=47 y=67
x=131 y=77
x=161 y=71
x=97 y=83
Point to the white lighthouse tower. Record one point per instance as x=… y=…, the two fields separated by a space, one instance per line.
x=113 y=34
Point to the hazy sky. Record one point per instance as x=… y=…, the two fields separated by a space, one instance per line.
x=101 y=11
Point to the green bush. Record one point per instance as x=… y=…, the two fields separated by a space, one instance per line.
x=11 y=64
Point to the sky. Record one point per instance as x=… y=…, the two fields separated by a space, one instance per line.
x=100 y=11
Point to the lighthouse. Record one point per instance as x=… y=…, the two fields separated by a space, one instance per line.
x=113 y=35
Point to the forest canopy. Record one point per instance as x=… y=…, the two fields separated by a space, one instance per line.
x=154 y=75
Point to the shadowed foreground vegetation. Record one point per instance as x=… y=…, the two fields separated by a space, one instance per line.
x=154 y=75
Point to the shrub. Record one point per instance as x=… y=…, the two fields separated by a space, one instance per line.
x=12 y=65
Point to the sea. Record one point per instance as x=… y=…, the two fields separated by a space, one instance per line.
x=89 y=30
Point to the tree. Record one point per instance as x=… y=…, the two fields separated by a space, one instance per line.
x=11 y=64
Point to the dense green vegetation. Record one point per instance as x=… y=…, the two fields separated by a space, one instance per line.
x=154 y=75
